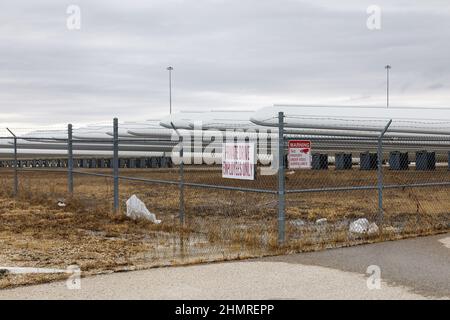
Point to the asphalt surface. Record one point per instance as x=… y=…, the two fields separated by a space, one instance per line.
x=410 y=269
x=422 y=264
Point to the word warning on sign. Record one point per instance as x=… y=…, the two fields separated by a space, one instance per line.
x=299 y=154
x=238 y=161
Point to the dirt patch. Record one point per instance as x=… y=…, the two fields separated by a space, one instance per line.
x=219 y=224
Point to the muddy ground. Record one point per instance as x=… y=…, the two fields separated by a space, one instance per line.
x=219 y=224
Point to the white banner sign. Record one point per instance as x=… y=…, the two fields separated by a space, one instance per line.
x=238 y=161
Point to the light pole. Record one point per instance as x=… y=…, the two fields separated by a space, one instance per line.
x=387 y=67
x=170 y=88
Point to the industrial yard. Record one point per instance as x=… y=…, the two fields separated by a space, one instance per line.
x=104 y=200
x=219 y=224
x=224 y=150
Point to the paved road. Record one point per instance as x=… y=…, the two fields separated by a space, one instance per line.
x=410 y=269
x=422 y=264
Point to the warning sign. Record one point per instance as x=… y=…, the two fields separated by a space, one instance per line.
x=299 y=154
x=238 y=161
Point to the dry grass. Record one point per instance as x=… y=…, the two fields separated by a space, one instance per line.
x=220 y=225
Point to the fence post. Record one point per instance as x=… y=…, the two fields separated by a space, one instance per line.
x=380 y=174
x=181 y=182
x=70 y=159
x=181 y=187
x=281 y=181
x=116 y=164
x=16 y=178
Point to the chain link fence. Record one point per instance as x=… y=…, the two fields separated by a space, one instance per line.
x=71 y=192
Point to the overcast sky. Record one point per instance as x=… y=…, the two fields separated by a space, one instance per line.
x=226 y=54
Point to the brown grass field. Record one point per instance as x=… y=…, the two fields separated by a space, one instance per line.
x=219 y=224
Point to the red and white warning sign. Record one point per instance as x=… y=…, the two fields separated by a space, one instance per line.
x=299 y=154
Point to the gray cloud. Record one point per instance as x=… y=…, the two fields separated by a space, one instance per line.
x=226 y=54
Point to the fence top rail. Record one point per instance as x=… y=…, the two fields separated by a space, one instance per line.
x=176 y=139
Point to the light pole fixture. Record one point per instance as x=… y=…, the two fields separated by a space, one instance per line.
x=387 y=67
x=170 y=88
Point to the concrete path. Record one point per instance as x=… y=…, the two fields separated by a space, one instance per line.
x=410 y=269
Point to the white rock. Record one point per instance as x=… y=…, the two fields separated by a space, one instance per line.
x=297 y=222
x=373 y=228
x=136 y=209
x=359 y=226
x=321 y=221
